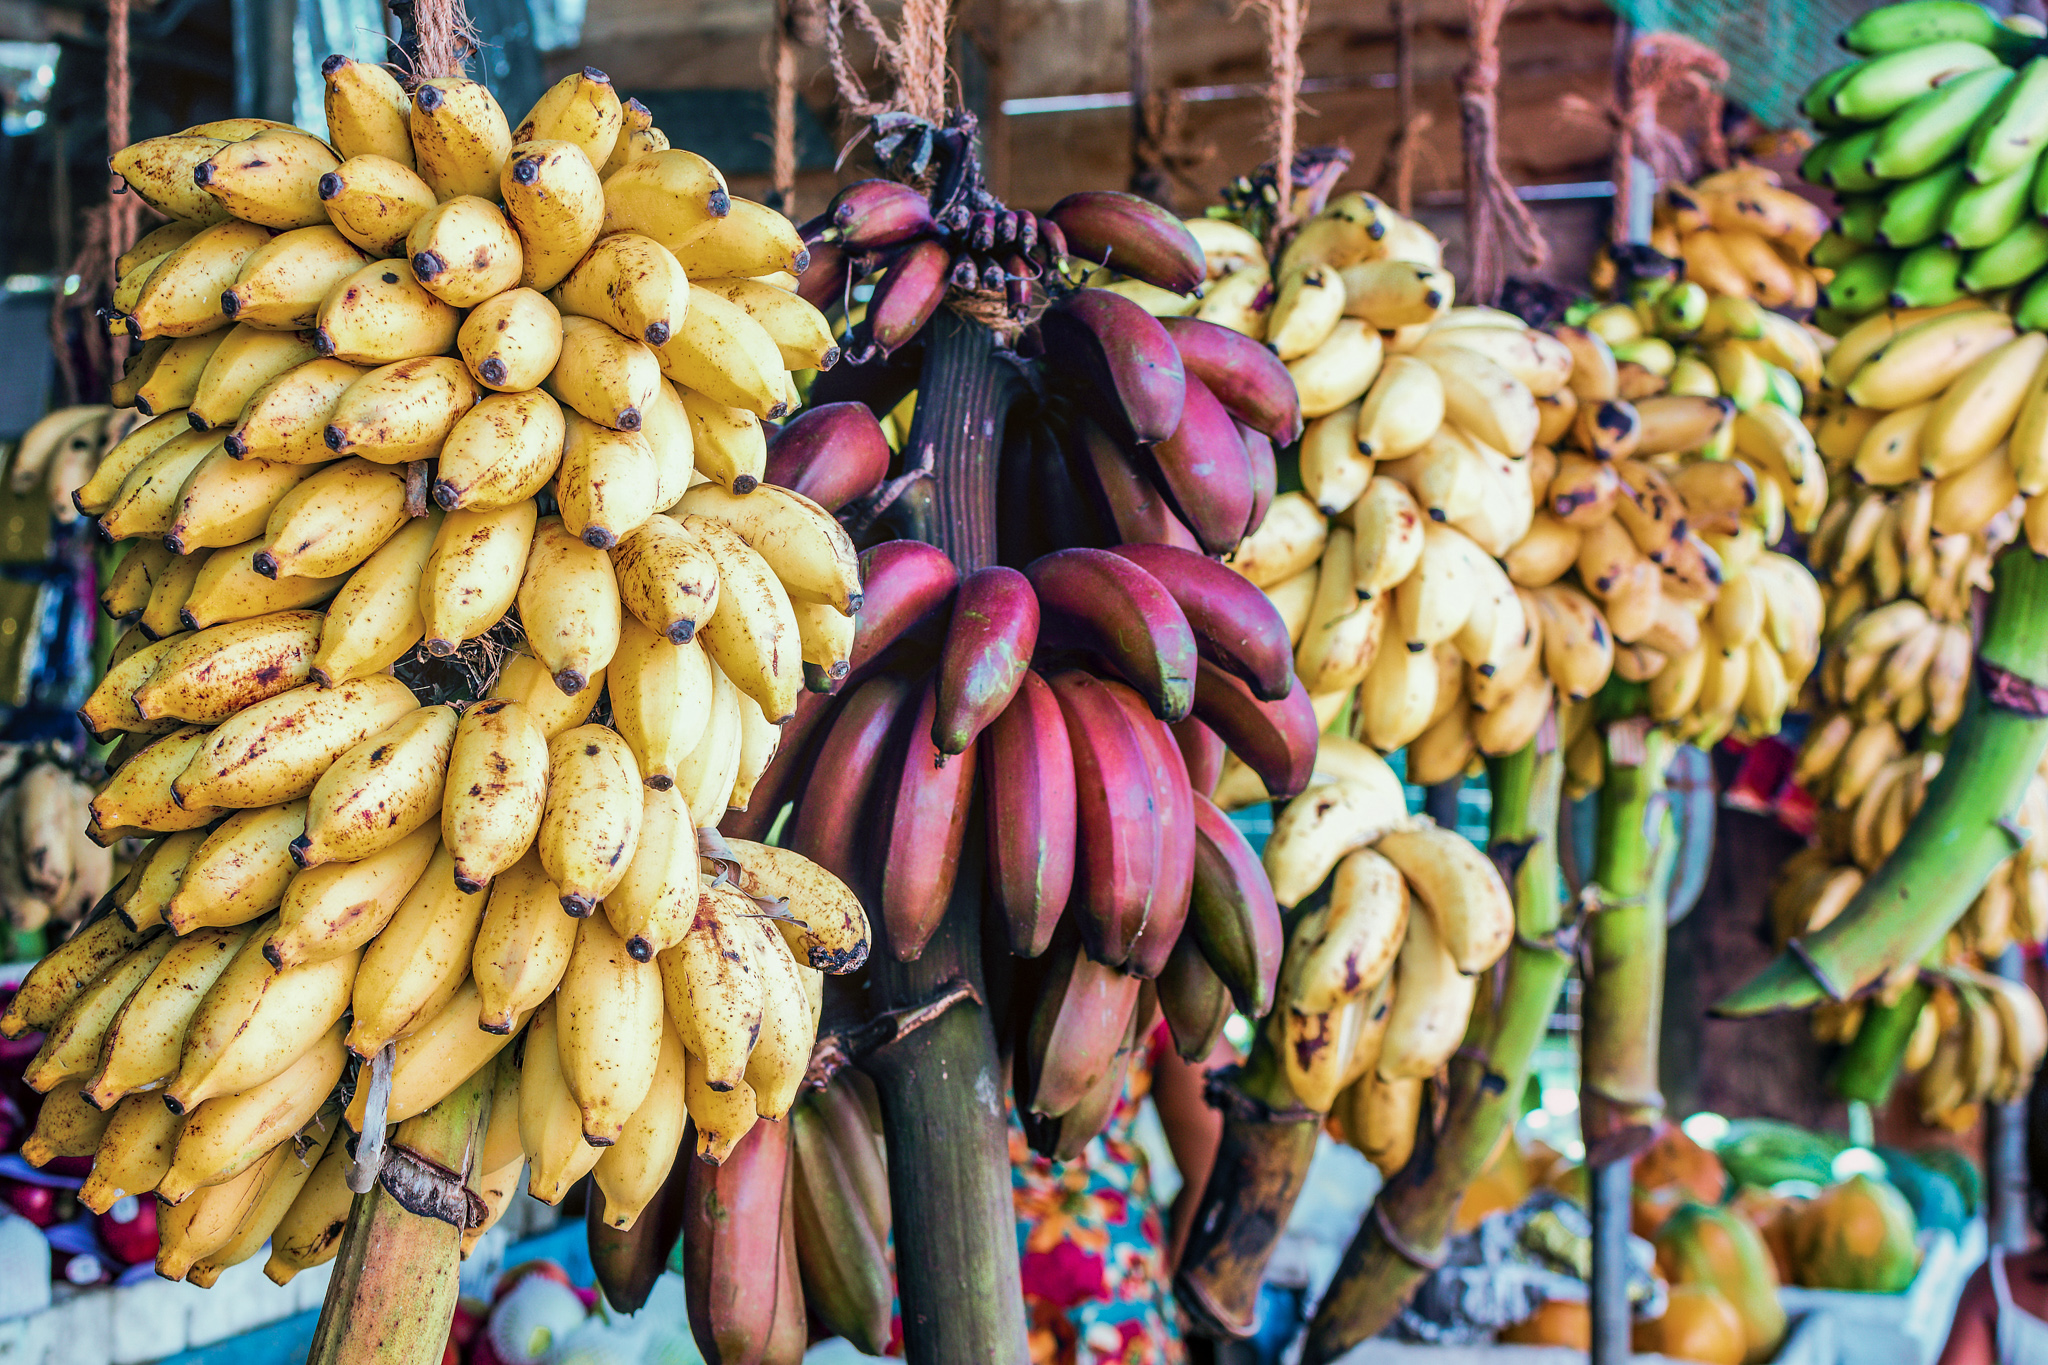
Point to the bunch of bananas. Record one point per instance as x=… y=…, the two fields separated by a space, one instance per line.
x=1741 y=235
x=50 y=873
x=1934 y=141
x=362 y=727
x=60 y=452
x=1978 y=1039
x=1374 y=993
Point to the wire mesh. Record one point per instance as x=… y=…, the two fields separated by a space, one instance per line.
x=1775 y=48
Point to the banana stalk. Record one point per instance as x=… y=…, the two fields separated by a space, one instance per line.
x=1395 y=1245
x=949 y=1182
x=396 y=1278
x=1869 y=1066
x=1269 y=1136
x=1620 y=1100
x=1964 y=828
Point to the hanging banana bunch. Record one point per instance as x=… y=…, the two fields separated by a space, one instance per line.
x=459 y=611
x=50 y=872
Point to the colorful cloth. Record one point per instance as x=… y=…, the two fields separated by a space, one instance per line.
x=1092 y=1243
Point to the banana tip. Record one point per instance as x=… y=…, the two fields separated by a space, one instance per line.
x=578 y=905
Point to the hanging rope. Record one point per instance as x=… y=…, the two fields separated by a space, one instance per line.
x=782 y=167
x=1284 y=20
x=1497 y=223
x=444 y=39
x=913 y=59
x=1396 y=178
x=1661 y=64
x=125 y=206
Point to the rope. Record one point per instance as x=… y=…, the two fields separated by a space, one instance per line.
x=1396 y=178
x=1660 y=64
x=783 y=152
x=1497 y=223
x=914 y=59
x=446 y=39
x=1284 y=20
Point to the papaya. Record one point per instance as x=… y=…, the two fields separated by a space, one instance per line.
x=1766 y=1151
x=1676 y=1160
x=1856 y=1235
x=1771 y=1216
x=1716 y=1248
x=1556 y=1322
x=1698 y=1324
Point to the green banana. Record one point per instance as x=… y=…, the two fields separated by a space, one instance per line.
x=2009 y=260
x=1982 y=214
x=1833 y=251
x=1863 y=285
x=1915 y=211
x=1818 y=104
x=1682 y=309
x=2013 y=131
x=2032 y=313
x=1848 y=170
x=1785 y=390
x=1893 y=28
x=1859 y=216
x=2040 y=193
x=1884 y=85
x=1928 y=277
x=1935 y=126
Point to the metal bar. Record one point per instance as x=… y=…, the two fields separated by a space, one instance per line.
x=1610 y=1186
x=1194 y=94
x=2005 y=1149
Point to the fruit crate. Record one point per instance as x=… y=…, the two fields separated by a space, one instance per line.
x=1899 y=1329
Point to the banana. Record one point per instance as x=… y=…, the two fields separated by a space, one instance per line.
x=750 y=241
x=473 y=573
x=798 y=330
x=301 y=1155
x=210 y=675
x=144 y=895
x=632 y=1171
x=608 y=483
x=141 y=795
x=1355 y=944
x=256 y=1021
x=1921 y=360
x=381 y=314
x=634 y=285
x=583 y=109
x=228 y=588
x=432 y=1060
x=374 y=200
x=375 y=620
x=608 y=378
x=1484 y=399
x=753 y=636
x=1392 y=293
x=511 y=342
x=655 y=902
x=209 y=1220
x=277 y=749
x=72 y=1046
x=591 y=823
x=239 y=871
x=93 y=496
x=464 y=250
x=671 y=195
x=158 y=171
x=661 y=698
x=147 y=502
x=782 y=1054
x=286 y=419
x=309 y=1234
x=555 y=199
x=727 y=443
x=134 y=1152
x=718 y=350
x=65 y=971
x=569 y=605
x=1326 y=822
x=142 y=1044
x=460 y=137
x=522 y=947
x=380 y=791
x=411 y=972
x=272 y=179
x=367 y=110
x=232 y=1133
x=714 y=992
x=608 y=1022
x=1343 y=634
x=550 y=1122
x=1432 y=1002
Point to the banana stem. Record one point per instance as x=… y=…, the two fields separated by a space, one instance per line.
x=1962 y=832
x=941 y=1086
x=395 y=1281
x=1869 y=1066
x=1395 y=1245
x=1619 y=1099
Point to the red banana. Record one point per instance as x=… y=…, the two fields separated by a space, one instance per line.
x=1236 y=626
x=1175 y=812
x=1065 y=1136
x=1133 y=503
x=1130 y=374
x=834 y=812
x=875 y=213
x=1231 y=911
x=1194 y=1000
x=987 y=650
x=1199 y=749
x=1100 y=602
x=789 y=1331
x=1245 y=376
x=1276 y=739
x=840 y=1199
x=782 y=779
x=1080 y=1021
x=906 y=587
x=1133 y=237
x=732 y=1245
x=628 y=1263
x=1206 y=472
x=824 y=281
x=1027 y=762
x=1040 y=507
x=927 y=824
x=831 y=454
x=908 y=294
x=1258 y=448
x=1118 y=858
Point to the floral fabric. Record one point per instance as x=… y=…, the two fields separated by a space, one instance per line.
x=1092 y=1243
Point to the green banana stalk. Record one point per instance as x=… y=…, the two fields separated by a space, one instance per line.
x=1620 y=1103
x=1869 y=1066
x=395 y=1278
x=1962 y=832
x=1485 y=1079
